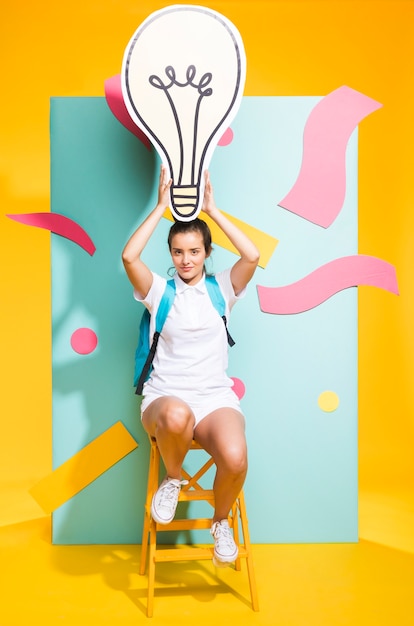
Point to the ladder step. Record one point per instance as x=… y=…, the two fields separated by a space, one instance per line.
x=188 y=554
x=197 y=494
x=182 y=524
x=199 y=523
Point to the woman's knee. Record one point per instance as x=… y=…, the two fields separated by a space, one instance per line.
x=175 y=417
x=233 y=459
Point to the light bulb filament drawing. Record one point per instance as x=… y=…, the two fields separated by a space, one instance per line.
x=185 y=194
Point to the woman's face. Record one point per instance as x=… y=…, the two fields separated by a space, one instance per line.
x=188 y=255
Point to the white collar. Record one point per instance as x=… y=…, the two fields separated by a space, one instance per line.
x=181 y=286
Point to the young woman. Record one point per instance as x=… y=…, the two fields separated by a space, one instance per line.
x=189 y=394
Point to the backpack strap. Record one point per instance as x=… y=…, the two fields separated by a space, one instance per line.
x=164 y=308
x=165 y=305
x=219 y=303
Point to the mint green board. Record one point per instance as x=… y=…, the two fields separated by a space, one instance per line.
x=302 y=481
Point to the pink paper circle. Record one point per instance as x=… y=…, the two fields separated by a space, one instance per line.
x=238 y=387
x=84 y=341
x=227 y=138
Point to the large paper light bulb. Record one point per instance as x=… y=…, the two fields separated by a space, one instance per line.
x=183 y=76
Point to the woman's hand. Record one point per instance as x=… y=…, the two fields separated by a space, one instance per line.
x=209 y=204
x=164 y=188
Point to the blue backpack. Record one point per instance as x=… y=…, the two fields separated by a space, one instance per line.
x=144 y=354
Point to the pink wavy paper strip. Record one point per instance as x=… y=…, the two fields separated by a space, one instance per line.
x=58 y=224
x=319 y=191
x=115 y=101
x=327 y=280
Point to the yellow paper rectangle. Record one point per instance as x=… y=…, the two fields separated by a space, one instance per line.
x=265 y=243
x=83 y=467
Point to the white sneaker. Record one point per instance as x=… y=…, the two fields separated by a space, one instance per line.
x=165 y=500
x=225 y=550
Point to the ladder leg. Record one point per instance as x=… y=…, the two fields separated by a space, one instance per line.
x=151 y=569
x=153 y=472
x=236 y=533
x=250 y=567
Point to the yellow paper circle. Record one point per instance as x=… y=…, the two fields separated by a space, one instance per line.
x=328 y=401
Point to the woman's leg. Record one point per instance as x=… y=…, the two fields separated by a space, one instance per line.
x=222 y=435
x=171 y=422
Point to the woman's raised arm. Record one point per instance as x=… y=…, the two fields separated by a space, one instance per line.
x=138 y=273
x=243 y=270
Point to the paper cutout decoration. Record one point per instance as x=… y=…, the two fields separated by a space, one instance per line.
x=84 y=340
x=319 y=191
x=326 y=281
x=183 y=75
x=83 y=468
x=266 y=243
x=227 y=138
x=328 y=401
x=58 y=224
x=238 y=387
x=115 y=101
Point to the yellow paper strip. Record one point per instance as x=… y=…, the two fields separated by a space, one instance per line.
x=83 y=467
x=266 y=243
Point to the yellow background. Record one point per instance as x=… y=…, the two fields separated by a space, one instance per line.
x=295 y=47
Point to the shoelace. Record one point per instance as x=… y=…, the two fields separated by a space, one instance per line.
x=169 y=491
x=222 y=535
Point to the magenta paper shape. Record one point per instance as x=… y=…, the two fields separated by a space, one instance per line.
x=58 y=224
x=227 y=138
x=115 y=101
x=84 y=340
x=327 y=280
x=238 y=387
x=319 y=191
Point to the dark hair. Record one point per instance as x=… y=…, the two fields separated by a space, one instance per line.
x=194 y=226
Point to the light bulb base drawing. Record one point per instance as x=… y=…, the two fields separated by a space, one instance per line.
x=183 y=77
x=184 y=201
